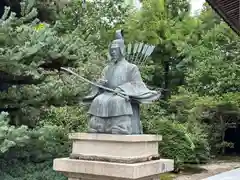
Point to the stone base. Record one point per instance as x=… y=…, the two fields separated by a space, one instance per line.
x=114 y=148
x=98 y=170
x=108 y=178
x=113 y=157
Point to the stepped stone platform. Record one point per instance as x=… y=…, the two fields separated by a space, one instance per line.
x=113 y=157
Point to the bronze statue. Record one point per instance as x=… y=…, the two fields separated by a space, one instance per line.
x=114 y=108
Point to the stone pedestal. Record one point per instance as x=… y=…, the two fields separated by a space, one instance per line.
x=113 y=157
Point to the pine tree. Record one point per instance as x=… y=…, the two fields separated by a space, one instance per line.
x=166 y=24
x=31 y=54
x=97 y=20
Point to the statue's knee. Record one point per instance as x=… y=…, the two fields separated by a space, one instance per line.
x=91 y=130
x=96 y=125
x=119 y=130
x=122 y=128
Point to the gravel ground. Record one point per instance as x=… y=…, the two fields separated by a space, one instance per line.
x=210 y=170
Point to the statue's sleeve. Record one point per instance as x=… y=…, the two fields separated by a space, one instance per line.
x=137 y=89
x=136 y=75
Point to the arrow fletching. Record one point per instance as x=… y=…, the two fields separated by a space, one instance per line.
x=138 y=53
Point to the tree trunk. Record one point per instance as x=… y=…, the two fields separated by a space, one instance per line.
x=166 y=93
x=223 y=132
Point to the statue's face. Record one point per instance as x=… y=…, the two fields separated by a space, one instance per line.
x=115 y=52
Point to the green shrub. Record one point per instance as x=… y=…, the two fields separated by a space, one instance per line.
x=212 y=112
x=72 y=118
x=40 y=143
x=183 y=142
x=27 y=154
x=11 y=136
x=21 y=170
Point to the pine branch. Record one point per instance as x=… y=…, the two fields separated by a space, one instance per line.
x=17 y=80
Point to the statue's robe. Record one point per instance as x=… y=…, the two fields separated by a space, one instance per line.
x=107 y=105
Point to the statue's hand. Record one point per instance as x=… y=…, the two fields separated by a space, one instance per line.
x=118 y=92
x=102 y=82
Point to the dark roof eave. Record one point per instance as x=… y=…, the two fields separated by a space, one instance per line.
x=222 y=15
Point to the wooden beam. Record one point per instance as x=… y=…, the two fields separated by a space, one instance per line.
x=221 y=7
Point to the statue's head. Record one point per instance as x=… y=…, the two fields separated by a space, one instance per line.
x=116 y=50
x=117 y=47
